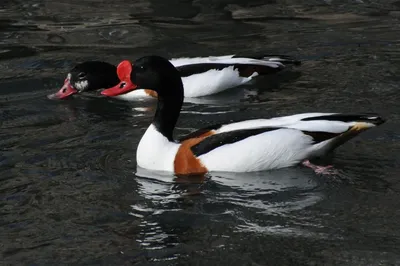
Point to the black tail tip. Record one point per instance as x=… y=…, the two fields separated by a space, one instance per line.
x=375 y=119
x=379 y=121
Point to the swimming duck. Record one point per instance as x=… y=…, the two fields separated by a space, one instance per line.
x=87 y=76
x=201 y=76
x=246 y=146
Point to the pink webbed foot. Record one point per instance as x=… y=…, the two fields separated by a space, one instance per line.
x=328 y=170
x=321 y=170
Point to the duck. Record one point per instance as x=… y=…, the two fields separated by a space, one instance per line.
x=202 y=76
x=244 y=146
x=87 y=77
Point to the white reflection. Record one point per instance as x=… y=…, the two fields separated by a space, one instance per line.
x=276 y=195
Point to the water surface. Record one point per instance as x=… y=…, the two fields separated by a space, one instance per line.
x=70 y=190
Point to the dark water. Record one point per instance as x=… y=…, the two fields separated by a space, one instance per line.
x=69 y=190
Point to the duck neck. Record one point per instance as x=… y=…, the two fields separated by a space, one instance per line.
x=167 y=113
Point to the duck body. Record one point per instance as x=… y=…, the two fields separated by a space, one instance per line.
x=246 y=146
x=252 y=145
x=201 y=76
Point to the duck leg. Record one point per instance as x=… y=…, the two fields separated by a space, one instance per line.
x=322 y=170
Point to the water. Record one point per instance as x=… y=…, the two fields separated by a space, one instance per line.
x=70 y=191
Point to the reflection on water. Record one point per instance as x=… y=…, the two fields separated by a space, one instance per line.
x=233 y=196
x=69 y=188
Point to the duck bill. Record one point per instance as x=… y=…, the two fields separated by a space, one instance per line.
x=122 y=88
x=65 y=91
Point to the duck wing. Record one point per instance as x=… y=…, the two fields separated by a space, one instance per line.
x=246 y=65
x=284 y=59
x=319 y=127
x=245 y=68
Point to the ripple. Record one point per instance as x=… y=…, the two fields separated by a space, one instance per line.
x=70 y=190
x=9 y=52
x=240 y=196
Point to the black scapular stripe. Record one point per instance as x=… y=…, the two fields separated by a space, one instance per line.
x=245 y=70
x=200 y=132
x=369 y=118
x=212 y=142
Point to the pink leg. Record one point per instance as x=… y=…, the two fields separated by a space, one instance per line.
x=323 y=170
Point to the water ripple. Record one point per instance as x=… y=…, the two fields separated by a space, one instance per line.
x=69 y=187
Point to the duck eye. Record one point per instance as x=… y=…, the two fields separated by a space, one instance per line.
x=81 y=75
x=122 y=85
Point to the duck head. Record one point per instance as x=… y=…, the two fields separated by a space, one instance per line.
x=87 y=76
x=153 y=73
x=157 y=74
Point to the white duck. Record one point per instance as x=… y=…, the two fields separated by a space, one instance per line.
x=247 y=146
x=201 y=76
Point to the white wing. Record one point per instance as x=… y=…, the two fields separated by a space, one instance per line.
x=330 y=122
x=225 y=59
x=295 y=138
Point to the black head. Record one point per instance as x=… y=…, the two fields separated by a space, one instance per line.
x=88 y=76
x=150 y=72
x=157 y=74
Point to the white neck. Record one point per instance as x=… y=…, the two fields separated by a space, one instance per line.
x=156 y=152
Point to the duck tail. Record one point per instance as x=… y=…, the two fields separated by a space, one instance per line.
x=340 y=128
x=284 y=59
x=354 y=120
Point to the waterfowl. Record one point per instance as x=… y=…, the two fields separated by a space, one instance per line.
x=87 y=76
x=201 y=76
x=246 y=146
